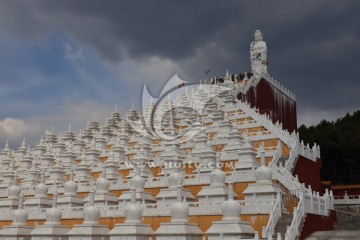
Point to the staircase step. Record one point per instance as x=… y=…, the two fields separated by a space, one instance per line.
x=284 y=221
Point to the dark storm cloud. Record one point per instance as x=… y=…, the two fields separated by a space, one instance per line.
x=137 y=28
x=314 y=46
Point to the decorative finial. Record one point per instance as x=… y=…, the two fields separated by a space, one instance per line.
x=103 y=171
x=217 y=160
x=262 y=155
x=133 y=195
x=54 y=202
x=21 y=201
x=137 y=169
x=42 y=176
x=72 y=174
x=92 y=198
x=91 y=184
x=178 y=195
x=230 y=191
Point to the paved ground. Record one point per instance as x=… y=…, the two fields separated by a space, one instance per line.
x=335 y=235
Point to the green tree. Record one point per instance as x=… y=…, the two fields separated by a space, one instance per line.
x=340 y=147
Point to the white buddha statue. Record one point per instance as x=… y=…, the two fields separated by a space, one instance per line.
x=258 y=54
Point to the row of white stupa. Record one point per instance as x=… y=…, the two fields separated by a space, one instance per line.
x=231 y=226
x=102 y=198
x=41 y=171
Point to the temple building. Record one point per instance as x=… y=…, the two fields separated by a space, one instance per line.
x=216 y=160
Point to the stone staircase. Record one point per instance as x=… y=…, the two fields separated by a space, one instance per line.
x=284 y=221
x=282 y=160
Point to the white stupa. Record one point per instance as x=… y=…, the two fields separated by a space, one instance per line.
x=231 y=226
x=90 y=229
x=52 y=228
x=133 y=228
x=179 y=226
x=18 y=229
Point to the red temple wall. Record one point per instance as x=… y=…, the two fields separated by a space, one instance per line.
x=315 y=223
x=309 y=173
x=273 y=102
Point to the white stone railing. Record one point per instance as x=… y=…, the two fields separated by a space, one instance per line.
x=309 y=202
x=59 y=188
x=157 y=182
x=238 y=116
x=285 y=178
x=261 y=136
x=244 y=176
x=200 y=179
x=292 y=231
x=83 y=187
x=275 y=215
x=115 y=184
x=291 y=162
x=195 y=179
x=73 y=212
x=211 y=207
x=254 y=80
x=36 y=213
x=276 y=156
x=249 y=124
x=316 y=204
x=264 y=120
x=312 y=153
x=3 y=192
x=347 y=200
x=276 y=129
x=156 y=210
x=5 y=214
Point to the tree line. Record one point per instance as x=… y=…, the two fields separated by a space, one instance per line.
x=340 y=147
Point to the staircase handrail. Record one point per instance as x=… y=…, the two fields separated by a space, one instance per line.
x=294 y=154
x=285 y=178
x=312 y=153
x=277 y=155
x=316 y=204
x=281 y=173
x=275 y=215
x=289 y=139
x=292 y=231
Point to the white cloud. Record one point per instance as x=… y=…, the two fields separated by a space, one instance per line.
x=13 y=127
x=74 y=112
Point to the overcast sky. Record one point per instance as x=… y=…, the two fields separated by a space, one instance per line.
x=64 y=61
